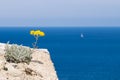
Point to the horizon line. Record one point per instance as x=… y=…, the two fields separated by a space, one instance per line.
x=60 y=26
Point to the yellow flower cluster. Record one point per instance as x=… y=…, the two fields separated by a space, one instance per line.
x=37 y=33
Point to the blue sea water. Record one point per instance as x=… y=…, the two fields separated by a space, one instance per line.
x=94 y=57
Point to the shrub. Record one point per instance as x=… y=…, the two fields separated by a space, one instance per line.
x=17 y=54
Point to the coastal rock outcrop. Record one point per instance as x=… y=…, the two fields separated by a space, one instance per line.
x=40 y=67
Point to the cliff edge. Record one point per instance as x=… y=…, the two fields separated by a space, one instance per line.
x=40 y=67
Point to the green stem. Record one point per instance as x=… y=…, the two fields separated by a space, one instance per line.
x=36 y=41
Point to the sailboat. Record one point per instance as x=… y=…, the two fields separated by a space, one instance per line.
x=82 y=36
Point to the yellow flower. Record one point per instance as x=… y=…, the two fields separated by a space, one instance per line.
x=42 y=33
x=37 y=32
x=32 y=32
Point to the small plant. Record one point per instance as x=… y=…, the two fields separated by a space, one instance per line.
x=17 y=54
x=36 y=34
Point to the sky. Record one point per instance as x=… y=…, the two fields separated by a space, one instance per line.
x=59 y=12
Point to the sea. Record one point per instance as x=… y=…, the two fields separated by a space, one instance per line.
x=94 y=56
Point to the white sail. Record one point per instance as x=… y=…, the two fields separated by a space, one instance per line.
x=82 y=35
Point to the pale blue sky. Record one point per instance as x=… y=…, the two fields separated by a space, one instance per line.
x=59 y=12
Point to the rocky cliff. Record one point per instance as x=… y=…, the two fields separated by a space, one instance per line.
x=40 y=68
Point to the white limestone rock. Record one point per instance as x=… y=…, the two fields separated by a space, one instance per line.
x=40 y=68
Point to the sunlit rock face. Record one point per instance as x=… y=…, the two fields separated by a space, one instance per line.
x=40 y=67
